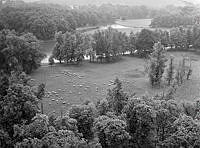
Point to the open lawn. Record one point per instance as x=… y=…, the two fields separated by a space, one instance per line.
x=135 y=23
x=67 y=85
x=127 y=26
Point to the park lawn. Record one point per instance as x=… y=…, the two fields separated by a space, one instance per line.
x=135 y=23
x=70 y=84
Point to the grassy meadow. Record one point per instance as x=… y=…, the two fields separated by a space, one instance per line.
x=69 y=84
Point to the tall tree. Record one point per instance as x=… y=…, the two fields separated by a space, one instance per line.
x=170 y=71
x=117 y=99
x=145 y=42
x=139 y=117
x=157 y=64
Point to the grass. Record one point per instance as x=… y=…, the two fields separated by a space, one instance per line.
x=75 y=84
x=134 y=25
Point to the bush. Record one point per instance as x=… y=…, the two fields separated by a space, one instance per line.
x=84 y=115
x=111 y=132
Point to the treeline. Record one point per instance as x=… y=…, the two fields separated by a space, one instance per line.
x=70 y=47
x=44 y=20
x=181 y=16
x=110 y=44
x=171 y=21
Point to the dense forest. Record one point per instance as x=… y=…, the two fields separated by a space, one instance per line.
x=179 y=16
x=44 y=20
x=118 y=120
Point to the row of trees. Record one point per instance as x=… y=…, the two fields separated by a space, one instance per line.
x=180 y=37
x=171 y=21
x=177 y=16
x=70 y=47
x=174 y=75
x=108 y=45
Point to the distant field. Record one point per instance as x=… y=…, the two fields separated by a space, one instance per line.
x=128 y=26
x=135 y=23
x=74 y=84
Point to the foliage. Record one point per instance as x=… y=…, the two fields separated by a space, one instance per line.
x=19 y=104
x=145 y=42
x=109 y=44
x=65 y=123
x=135 y=122
x=38 y=128
x=157 y=64
x=178 y=37
x=40 y=133
x=116 y=98
x=4 y=83
x=84 y=115
x=170 y=21
x=20 y=52
x=132 y=43
x=62 y=139
x=163 y=37
x=139 y=117
x=70 y=47
x=103 y=107
x=111 y=132
x=44 y=20
x=167 y=111
x=196 y=43
x=29 y=142
x=170 y=71
x=189 y=37
x=185 y=134
x=5 y=140
x=180 y=72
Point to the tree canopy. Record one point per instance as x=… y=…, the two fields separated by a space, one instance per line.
x=19 y=52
